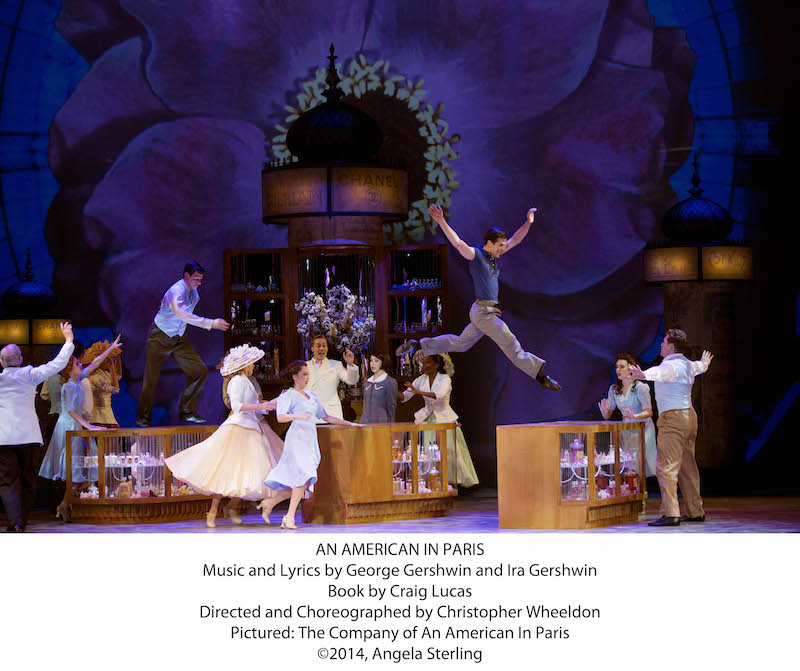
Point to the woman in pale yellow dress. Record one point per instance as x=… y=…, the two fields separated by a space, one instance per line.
x=234 y=461
x=104 y=383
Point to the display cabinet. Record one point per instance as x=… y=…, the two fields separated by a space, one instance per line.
x=417 y=305
x=126 y=481
x=260 y=287
x=405 y=288
x=570 y=475
x=382 y=472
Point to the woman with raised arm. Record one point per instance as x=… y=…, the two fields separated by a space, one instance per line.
x=434 y=386
x=104 y=383
x=296 y=471
x=234 y=460
x=54 y=465
x=633 y=400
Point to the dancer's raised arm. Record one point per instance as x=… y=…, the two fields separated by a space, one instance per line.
x=521 y=232
x=463 y=248
x=114 y=346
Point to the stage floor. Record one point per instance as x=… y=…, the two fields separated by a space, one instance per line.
x=475 y=514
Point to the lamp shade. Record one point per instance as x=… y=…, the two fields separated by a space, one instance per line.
x=727 y=263
x=14 y=331
x=671 y=264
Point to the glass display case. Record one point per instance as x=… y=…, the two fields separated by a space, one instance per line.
x=417 y=300
x=419 y=452
x=255 y=273
x=260 y=287
x=256 y=318
x=616 y=469
x=598 y=466
x=382 y=472
x=126 y=479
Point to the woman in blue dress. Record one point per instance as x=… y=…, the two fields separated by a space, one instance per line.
x=632 y=397
x=54 y=465
x=296 y=471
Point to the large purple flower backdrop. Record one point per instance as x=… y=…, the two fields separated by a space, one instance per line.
x=575 y=107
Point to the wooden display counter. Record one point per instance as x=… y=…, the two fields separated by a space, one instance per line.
x=372 y=474
x=128 y=482
x=369 y=474
x=570 y=475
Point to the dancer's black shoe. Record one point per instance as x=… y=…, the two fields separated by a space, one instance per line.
x=548 y=382
x=664 y=521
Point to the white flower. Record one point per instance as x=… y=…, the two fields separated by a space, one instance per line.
x=344 y=318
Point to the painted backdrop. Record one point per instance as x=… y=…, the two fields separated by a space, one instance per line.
x=578 y=108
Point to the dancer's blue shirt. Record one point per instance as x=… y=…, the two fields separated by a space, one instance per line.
x=177 y=310
x=485 y=275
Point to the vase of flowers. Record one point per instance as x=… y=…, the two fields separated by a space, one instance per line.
x=341 y=316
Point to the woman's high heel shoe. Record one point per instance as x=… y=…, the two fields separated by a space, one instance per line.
x=288 y=523
x=210 y=517
x=265 y=511
x=230 y=513
x=63 y=511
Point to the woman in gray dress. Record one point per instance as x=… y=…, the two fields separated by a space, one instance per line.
x=380 y=391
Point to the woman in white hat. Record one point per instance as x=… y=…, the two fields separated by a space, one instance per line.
x=233 y=461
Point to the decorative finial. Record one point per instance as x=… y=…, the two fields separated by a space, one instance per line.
x=332 y=93
x=28 y=267
x=696 y=190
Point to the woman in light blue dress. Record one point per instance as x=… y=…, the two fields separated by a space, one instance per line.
x=296 y=471
x=632 y=397
x=54 y=465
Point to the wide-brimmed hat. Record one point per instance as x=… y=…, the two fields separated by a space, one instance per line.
x=114 y=360
x=240 y=357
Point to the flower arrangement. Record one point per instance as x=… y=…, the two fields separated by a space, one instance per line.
x=342 y=317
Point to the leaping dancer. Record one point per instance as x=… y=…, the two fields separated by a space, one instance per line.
x=484 y=315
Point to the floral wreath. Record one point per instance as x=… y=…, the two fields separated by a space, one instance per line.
x=361 y=78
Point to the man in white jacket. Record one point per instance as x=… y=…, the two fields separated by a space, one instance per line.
x=325 y=376
x=19 y=427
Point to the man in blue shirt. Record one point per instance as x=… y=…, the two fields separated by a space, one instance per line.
x=167 y=337
x=484 y=315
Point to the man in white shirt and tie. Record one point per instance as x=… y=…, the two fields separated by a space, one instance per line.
x=20 y=433
x=167 y=337
x=325 y=376
x=677 y=429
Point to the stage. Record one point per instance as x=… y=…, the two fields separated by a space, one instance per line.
x=476 y=513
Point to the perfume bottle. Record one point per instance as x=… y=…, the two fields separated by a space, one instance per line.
x=436 y=479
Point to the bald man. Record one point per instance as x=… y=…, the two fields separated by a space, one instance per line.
x=20 y=433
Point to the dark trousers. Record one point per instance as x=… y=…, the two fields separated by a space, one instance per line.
x=18 y=481
x=159 y=347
